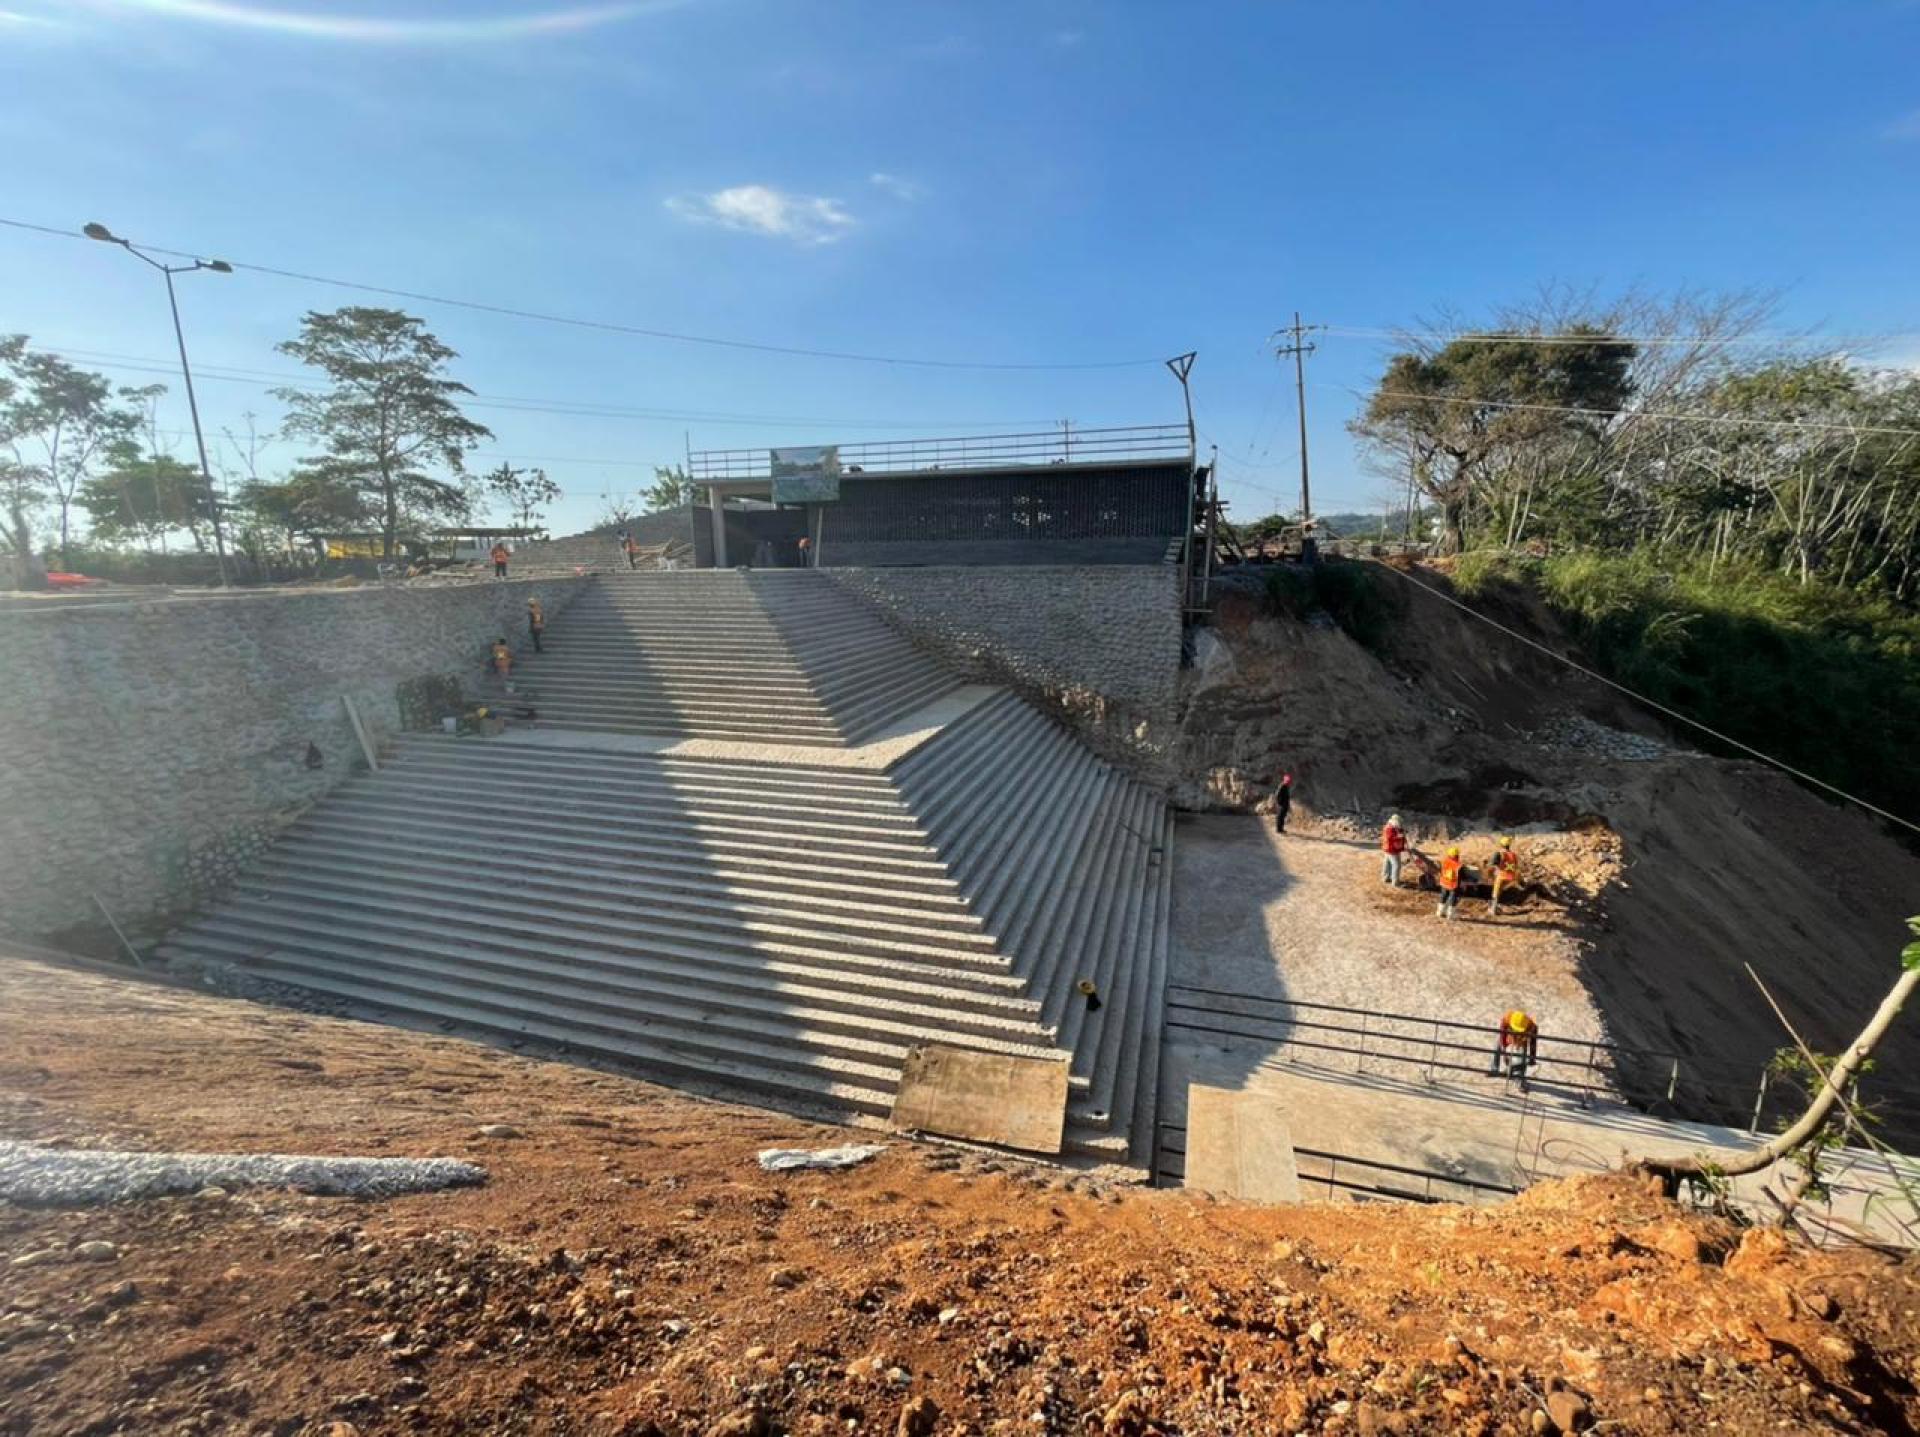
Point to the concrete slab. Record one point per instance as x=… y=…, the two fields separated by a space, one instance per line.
x=876 y=754
x=988 y=1097
x=1239 y=1146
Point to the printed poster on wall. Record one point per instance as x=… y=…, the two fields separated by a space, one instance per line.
x=809 y=475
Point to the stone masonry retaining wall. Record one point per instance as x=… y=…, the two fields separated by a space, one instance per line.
x=147 y=750
x=1097 y=645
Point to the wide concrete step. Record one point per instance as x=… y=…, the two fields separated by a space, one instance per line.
x=802 y=716
x=866 y=1006
x=692 y=681
x=455 y=890
x=880 y=836
x=662 y=728
x=375 y=807
x=717 y=773
x=795 y=885
x=289 y=918
x=537 y=881
x=462 y=763
x=796 y=1078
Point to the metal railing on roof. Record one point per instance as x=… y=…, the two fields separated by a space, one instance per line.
x=1065 y=445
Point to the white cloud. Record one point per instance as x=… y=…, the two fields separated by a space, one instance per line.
x=900 y=189
x=761 y=209
x=1907 y=127
x=316 y=23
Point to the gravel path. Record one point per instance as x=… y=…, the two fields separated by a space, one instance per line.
x=35 y=1176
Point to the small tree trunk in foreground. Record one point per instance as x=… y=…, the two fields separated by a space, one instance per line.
x=1837 y=1079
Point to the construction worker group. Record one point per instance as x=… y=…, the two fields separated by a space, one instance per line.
x=1503 y=868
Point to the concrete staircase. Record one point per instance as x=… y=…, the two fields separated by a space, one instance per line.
x=777 y=656
x=781 y=927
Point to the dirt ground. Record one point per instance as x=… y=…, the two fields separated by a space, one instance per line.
x=1305 y=917
x=630 y=1269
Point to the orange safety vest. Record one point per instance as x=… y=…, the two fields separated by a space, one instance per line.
x=1449 y=873
x=1518 y=1025
x=536 y=616
x=500 y=554
x=1507 y=862
x=502 y=656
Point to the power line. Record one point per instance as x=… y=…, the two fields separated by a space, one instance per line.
x=1655 y=704
x=1808 y=424
x=141 y=364
x=609 y=326
x=1498 y=336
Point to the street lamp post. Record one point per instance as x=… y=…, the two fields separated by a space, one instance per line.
x=218 y=266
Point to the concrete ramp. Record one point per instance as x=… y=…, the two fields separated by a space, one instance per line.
x=988 y=1097
x=1239 y=1146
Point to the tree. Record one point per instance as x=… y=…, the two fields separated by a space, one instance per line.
x=306 y=506
x=671 y=489
x=1458 y=417
x=389 y=414
x=525 y=492
x=58 y=421
x=144 y=497
x=1836 y=1077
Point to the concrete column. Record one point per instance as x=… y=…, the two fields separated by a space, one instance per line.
x=718 y=507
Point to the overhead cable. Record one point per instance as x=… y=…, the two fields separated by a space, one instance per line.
x=608 y=326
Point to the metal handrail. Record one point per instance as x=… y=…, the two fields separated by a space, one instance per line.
x=1603 y=1061
x=977 y=451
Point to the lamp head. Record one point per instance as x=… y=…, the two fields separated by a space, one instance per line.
x=219 y=266
x=93 y=229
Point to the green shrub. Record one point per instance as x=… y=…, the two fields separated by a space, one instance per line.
x=1350 y=593
x=1825 y=679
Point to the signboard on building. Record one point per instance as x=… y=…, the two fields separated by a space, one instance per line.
x=809 y=475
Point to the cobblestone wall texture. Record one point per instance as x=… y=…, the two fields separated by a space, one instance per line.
x=148 y=750
x=1097 y=645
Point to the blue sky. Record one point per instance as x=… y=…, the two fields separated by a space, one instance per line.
x=1055 y=181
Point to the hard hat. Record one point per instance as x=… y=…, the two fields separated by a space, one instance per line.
x=1507 y=842
x=1454 y=851
x=1519 y=1021
x=1393 y=821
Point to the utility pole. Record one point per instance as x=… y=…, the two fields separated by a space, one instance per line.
x=1300 y=349
x=217 y=266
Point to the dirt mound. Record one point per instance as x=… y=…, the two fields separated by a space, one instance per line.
x=630 y=1269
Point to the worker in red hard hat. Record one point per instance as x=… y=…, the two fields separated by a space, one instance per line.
x=1449 y=883
x=1393 y=843
x=1520 y=1036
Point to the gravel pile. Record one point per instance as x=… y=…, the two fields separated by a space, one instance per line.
x=1583 y=735
x=37 y=1176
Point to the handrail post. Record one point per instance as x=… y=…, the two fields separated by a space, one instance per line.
x=1759 y=1101
x=1360 y=1065
x=1433 y=1051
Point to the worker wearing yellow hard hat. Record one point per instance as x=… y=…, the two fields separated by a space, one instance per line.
x=1506 y=872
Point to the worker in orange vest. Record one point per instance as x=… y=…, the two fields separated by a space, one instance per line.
x=536 y=624
x=1449 y=883
x=1506 y=872
x=1393 y=843
x=1520 y=1035
x=500 y=554
x=502 y=659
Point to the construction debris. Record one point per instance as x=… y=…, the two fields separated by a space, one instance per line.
x=36 y=1176
x=786 y=1160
